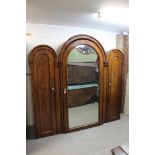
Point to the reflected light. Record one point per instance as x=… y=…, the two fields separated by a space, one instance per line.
x=114 y=15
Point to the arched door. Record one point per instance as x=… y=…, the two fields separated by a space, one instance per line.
x=42 y=60
x=82 y=83
x=114 y=84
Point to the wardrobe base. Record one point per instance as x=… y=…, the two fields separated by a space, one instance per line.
x=30 y=132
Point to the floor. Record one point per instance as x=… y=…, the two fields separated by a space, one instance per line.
x=93 y=141
x=83 y=115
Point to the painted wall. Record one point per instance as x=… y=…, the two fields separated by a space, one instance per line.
x=76 y=56
x=55 y=36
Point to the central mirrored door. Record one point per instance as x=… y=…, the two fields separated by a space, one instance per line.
x=82 y=83
x=83 y=86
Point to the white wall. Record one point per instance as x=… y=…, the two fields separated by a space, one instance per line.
x=55 y=36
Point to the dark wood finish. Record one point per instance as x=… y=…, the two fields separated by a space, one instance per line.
x=78 y=74
x=65 y=50
x=43 y=61
x=81 y=74
x=79 y=97
x=114 y=84
x=118 y=151
x=58 y=104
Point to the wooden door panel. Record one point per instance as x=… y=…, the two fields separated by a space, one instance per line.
x=44 y=102
x=114 y=85
x=43 y=71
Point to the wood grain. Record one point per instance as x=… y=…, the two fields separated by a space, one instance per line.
x=114 y=84
x=42 y=61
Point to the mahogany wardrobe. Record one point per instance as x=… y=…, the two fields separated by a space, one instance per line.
x=78 y=89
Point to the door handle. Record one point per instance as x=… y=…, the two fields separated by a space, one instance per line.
x=52 y=89
x=52 y=86
x=109 y=84
x=65 y=90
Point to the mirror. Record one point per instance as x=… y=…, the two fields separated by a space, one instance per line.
x=83 y=86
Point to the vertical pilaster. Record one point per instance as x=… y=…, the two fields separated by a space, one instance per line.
x=122 y=43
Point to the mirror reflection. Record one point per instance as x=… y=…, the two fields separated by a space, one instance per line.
x=83 y=87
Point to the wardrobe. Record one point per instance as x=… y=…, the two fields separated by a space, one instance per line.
x=78 y=89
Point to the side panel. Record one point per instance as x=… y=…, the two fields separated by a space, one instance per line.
x=114 y=86
x=43 y=73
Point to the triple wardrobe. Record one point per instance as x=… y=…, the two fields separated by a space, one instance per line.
x=77 y=89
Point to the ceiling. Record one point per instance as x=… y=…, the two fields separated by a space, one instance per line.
x=79 y=13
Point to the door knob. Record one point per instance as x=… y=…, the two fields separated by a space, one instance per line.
x=109 y=84
x=65 y=90
x=52 y=89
